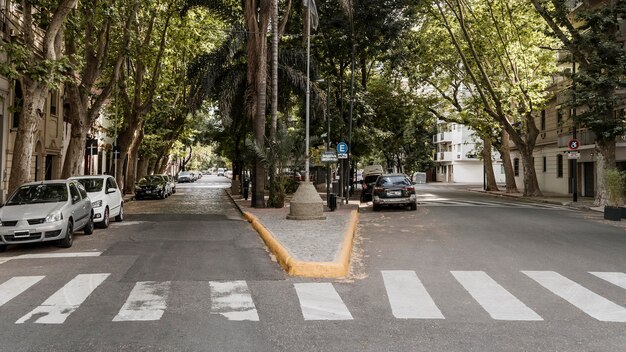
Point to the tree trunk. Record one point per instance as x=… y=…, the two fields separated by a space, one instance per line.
x=491 y=184
x=605 y=159
x=144 y=166
x=505 y=154
x=531 y=185
x=133 y=155
x=80 y=126
x=32 y=112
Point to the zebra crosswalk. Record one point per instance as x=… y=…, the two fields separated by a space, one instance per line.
x=404 y=294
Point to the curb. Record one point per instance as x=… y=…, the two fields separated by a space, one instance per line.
x=294 y=267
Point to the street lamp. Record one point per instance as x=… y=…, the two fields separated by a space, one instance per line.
x=307 y=203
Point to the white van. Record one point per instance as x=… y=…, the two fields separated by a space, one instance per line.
x=370 y=174
x=220 y=171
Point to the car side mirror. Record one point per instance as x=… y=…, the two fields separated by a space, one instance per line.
x=111 y=190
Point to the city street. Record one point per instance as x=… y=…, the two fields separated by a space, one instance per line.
x=465 y=272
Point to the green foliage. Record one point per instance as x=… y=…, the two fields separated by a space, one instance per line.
x=25 y=63
x=614 y=184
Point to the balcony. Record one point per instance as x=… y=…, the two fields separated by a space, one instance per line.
x=585 y=137
x=443 y=156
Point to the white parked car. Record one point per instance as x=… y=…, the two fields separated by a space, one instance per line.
x=46 y=211
x=106 y=198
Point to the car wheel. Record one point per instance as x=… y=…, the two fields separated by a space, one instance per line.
x=413 y=206
x=120 y=216
x=376 y=207
x=3 y=248
x=69 y=236
x=105 y=219
x=88 y=229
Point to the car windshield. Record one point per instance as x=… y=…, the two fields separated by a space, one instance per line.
x=151 y=178
x=393 y=181
x=46 y=193
x=92 y=184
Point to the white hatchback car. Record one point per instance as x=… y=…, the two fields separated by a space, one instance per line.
x=45 y=211
x=106 y=198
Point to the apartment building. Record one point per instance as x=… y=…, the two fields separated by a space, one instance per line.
x=50 y=138
x=457 y=148
x=555 y=172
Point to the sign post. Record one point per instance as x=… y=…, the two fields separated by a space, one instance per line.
x=574 y=155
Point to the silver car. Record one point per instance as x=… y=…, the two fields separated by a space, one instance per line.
x=46 y=211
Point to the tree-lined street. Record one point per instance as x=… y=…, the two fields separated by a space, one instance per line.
x=465 y=272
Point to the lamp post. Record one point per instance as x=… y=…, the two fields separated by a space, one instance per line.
x=307 y=203
x=574 y=161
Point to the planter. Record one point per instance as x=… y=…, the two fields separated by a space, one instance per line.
x=612 y=213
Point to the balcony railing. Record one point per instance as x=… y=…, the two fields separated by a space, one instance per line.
x=585 y=137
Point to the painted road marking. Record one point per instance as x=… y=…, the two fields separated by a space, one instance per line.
x=589 y=302
x=495 y=299
x=15 y=286
x=51 y=255
x=233 y=300
x=66 y=300
x=617 y=279
x=408 y=296
x=320 y=301
x=147 y=301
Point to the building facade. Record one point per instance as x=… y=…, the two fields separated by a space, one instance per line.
x=457 y=155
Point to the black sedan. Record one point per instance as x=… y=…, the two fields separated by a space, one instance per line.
x=151 y=186
x=394 y=189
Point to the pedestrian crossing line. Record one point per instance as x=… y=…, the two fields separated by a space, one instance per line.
x=320 y=301
x=617 y=279
x=66 y=300
x=495 y=299
x=232 y=299
x=408 y=296
x=589 y=302
x=15 y=286
x=147 y=301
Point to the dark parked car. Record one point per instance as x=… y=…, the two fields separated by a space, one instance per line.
x=151 y=186
x=394 y=189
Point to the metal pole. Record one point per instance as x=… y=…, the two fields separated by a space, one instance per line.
x=115 y=157
x=574 y=161
x=308 y=90
x=328 y=140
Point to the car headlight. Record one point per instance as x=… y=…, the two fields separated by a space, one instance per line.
x=96 y=204
x=53 y=217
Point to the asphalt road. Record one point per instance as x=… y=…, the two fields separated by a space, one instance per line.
x=465 y=272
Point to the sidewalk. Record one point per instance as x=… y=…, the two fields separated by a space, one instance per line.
x=309 y=248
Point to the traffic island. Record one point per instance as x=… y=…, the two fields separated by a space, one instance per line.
x=306 y=204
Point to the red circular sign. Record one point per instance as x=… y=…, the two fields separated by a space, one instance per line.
x=573 y=144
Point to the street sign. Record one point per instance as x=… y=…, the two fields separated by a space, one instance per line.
x=329 y=156
x=342 y=155
x=573 y=155
x=342 y=148
x=573 y=144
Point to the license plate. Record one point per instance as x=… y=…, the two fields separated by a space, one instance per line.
x=393 y=193
x=18 y=234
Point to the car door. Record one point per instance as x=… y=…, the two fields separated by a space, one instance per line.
x=114 y=198
x=79 y=207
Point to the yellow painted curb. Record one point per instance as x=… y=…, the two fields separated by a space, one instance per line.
x=338 y=268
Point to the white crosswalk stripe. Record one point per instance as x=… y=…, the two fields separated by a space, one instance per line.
x=589 y=302
x=15 y=286
x=320 y=301
x=617 y=279
x=147 y=301
x=65 y=301
x=447 y=202
x=495 y=299
x=408 y=296
x=233 y=300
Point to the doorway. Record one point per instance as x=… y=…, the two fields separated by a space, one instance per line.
x=589 y=184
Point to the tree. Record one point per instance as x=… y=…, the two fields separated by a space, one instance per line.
x=96 y=46
x=505 y=65
x=590 y=35
x=38 y=62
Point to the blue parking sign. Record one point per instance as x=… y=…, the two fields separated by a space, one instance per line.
x=342 y=148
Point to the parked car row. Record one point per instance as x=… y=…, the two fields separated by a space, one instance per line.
x=155 y=186
x=387 y=189
x=189 y=176
x=53 y=210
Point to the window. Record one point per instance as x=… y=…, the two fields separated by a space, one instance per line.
x=559 y=118
x=559 y=165
x=74 y=193
x=111 y=183
x=545 y=164
x=54 y=102
x=516 y=166
x=81 y=189
x=543 y=120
